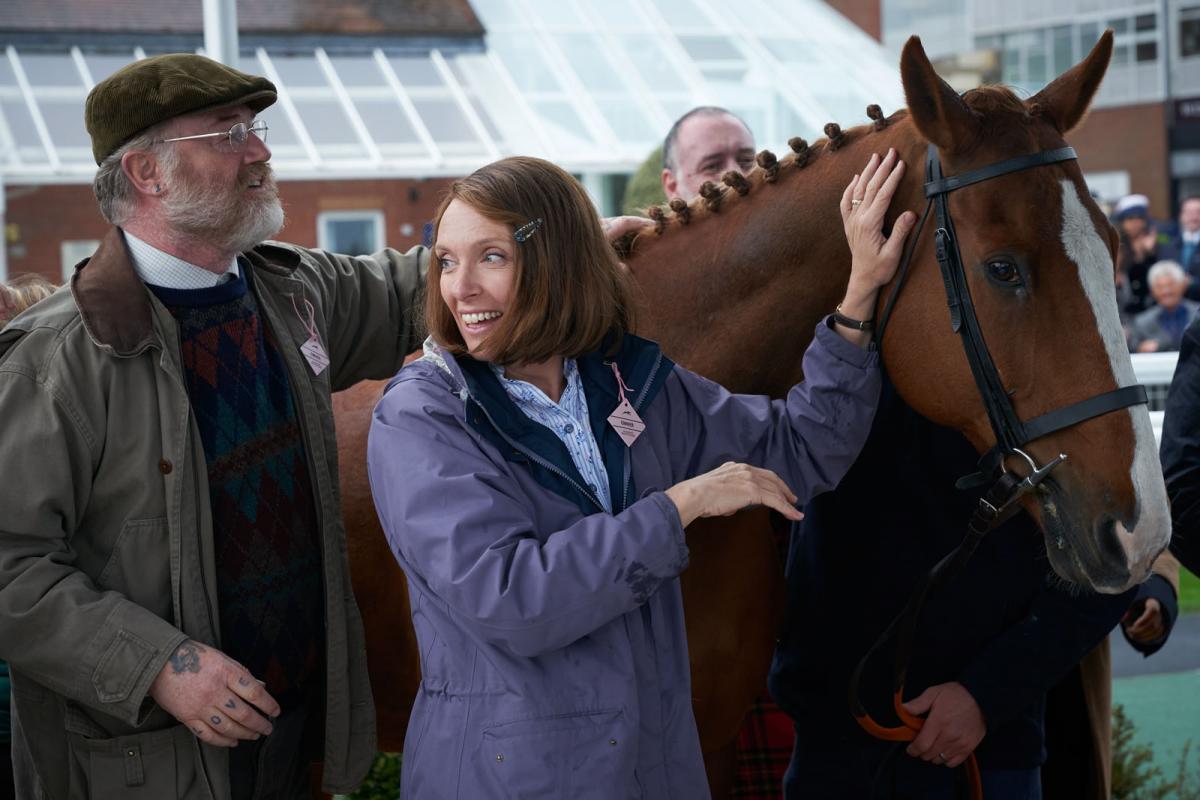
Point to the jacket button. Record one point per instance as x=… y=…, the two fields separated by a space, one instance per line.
x=499 y=756
x=612 y=742
x=164 y=467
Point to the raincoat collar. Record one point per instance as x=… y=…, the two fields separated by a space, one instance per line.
x=493 y=414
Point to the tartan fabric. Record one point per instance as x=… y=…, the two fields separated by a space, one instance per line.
x=764 y=748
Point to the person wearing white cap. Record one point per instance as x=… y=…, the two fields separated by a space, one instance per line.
x=1137 y=253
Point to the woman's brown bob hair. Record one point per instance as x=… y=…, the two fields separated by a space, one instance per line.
x=570 y=291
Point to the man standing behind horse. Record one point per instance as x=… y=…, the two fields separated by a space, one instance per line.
x=172 y=561
x=703 y=145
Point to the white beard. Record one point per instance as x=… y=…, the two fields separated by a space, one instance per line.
x=224 y=216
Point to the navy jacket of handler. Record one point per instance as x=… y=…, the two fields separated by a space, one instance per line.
x=1002 y=627
x=1181 y=451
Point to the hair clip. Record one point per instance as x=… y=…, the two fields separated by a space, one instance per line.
x=528 y=229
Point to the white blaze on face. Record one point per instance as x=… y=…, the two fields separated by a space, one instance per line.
x=1084 y=246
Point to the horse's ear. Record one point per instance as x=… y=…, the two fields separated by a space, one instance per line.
x=1065 y=99
x=938 y=112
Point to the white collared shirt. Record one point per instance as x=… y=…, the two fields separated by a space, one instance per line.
x=158 y=268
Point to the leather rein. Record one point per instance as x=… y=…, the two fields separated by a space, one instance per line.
x=1011 y=433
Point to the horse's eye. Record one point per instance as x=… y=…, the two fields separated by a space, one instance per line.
x=1004 y=271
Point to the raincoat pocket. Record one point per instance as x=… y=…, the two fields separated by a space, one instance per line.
x=588 y=755
x=144 y=766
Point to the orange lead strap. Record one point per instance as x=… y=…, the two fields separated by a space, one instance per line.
x=908 y=731
x=989 y=513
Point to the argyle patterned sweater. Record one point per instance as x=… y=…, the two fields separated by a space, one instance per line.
x=268 y=557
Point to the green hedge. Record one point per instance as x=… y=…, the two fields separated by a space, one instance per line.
x=1189 y=592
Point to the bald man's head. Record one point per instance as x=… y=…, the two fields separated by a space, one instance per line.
x=703 y=145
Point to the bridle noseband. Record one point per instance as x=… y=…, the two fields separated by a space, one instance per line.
x=1011 y=433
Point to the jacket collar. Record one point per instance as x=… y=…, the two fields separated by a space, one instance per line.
x=641 y=362
x=113 y=302
x=644 y=369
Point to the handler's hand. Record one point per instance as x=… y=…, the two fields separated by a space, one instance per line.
x=1147 y=626
x=953 y=728
x=728 y=489
x=213 y=695
x=874 y=257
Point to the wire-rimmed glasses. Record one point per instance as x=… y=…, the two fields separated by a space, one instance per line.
x=230 y=141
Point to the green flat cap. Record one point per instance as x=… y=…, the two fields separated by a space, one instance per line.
x=155 y=89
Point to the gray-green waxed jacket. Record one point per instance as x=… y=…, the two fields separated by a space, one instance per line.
x=106 y=547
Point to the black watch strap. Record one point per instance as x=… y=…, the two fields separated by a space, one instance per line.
x=856 y=324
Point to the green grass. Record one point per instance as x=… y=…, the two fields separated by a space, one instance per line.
x=1189 y=592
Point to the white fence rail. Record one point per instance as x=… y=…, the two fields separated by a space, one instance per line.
x=1155 y=371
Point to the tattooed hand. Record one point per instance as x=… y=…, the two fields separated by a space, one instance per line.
x=213 y=695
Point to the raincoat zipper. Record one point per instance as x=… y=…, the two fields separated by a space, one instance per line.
x=637 y=405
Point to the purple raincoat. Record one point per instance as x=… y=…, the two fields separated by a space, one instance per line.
x=554 y=660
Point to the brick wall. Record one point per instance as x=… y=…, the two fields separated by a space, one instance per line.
x=863 y=13
x=40 y=218
x=1133 y=139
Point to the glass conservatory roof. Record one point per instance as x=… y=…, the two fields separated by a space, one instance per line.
x=591 y=85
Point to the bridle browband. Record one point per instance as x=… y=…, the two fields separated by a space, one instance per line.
x=1011 y=433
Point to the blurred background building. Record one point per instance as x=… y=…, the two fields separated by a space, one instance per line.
x=382 y=102
x=1143 y=134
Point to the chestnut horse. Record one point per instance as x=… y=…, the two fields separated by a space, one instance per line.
x=732 y=286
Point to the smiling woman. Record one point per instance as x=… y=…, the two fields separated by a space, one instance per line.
x=532 y=273
x=534 y=473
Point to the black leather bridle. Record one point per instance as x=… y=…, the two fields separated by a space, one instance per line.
x=1010 y=431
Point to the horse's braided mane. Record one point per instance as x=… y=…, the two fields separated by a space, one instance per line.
x=770 y=169
x=986 y=100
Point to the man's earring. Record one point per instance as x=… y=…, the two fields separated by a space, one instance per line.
x=157 y=188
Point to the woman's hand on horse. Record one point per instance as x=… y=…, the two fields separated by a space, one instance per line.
x=874 y=256
x=954 y=724
x=215 y=696
x=730 y=488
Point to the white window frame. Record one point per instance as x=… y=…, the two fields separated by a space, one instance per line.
x=72 y=251
x=373 y=215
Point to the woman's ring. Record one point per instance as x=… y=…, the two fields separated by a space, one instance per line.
x=856 y=202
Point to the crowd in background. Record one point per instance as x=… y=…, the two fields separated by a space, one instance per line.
x=1158 y=267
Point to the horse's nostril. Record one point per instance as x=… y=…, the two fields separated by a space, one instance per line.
x=1108 y=542
x=1113 y=564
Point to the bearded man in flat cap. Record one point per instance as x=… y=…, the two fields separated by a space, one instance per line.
x=175 y=599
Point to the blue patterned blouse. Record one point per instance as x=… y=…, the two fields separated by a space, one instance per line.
x=568 y=418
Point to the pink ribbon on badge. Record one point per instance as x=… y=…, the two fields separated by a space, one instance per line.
x=624 y=418
x=312 y=350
